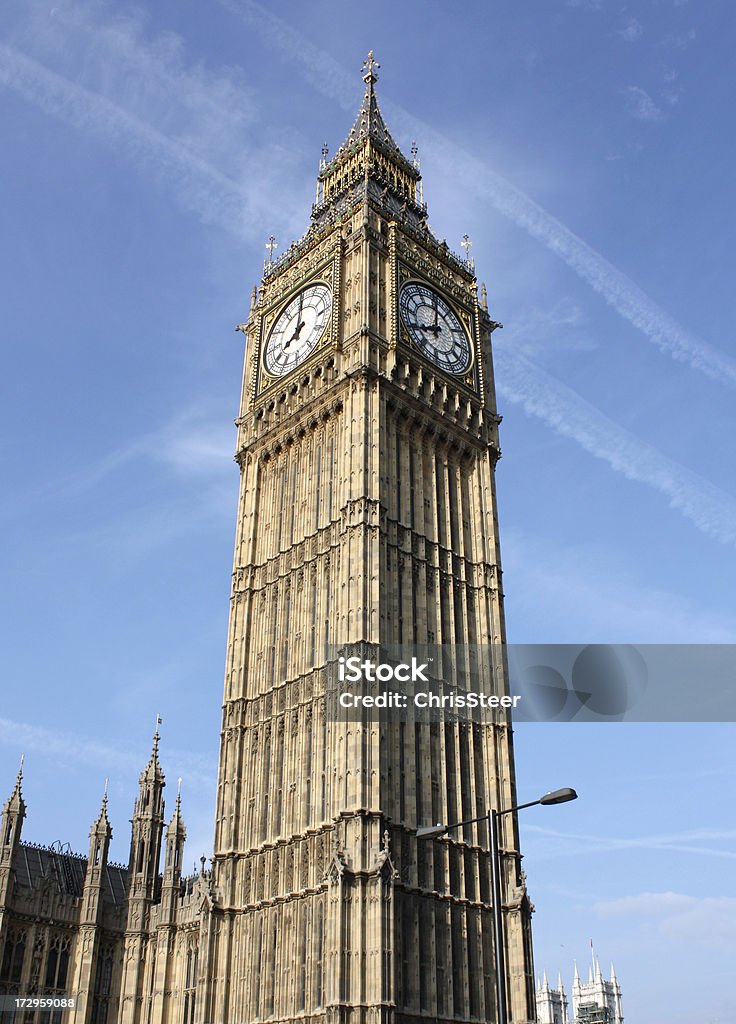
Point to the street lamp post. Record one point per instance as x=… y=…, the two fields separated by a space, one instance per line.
x=558 y=796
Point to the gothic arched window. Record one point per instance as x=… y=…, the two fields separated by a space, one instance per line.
x=13 y=956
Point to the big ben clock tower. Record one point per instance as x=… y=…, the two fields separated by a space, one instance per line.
x=367 y=445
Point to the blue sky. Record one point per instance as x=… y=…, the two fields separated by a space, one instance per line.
x=148 y=152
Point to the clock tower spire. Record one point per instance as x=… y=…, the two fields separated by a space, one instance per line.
x=368 y=156
x=367 y=444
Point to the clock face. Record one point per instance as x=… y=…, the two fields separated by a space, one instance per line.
x=435 y=328
x=297 y=329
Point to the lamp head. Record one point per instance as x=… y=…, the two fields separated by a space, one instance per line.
x=559 y=796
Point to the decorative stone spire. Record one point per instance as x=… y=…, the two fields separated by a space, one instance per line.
x=13 y=814
x=369 y=153
x=176 y=834
x=152 y=772
x=369 y=123
x=147 y=822
x=15 y=801
x=100 y=835
x=102 y=822
x=177 y=829
x=92 y=912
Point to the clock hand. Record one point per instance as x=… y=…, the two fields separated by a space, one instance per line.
x=295 y=335
x=426 y=327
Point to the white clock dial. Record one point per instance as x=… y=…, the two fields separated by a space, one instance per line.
x=435 y=328
x=298 y=329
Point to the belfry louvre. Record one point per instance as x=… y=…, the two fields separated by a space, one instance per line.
x=367 y=445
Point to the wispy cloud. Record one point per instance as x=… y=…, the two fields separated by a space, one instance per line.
x=570 y=415
x=561 y=844
x=641 y=105
x=195 y=131
x=203 y=189
x=600 y=587
x=477 y=179
x=218 y=198
x=84 y=751
x=679 y=40
x=708 y=921
x=632 y=30
x=193 y=442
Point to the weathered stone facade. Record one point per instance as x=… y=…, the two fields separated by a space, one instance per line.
x=367 y=514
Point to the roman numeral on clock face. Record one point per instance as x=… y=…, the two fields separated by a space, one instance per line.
x=434 y=327
x=298 y=329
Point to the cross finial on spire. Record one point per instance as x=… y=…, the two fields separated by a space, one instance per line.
x=468 y=247
x=271 y=244
x=368 y=65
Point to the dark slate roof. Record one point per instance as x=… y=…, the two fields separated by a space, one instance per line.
x=68 y=870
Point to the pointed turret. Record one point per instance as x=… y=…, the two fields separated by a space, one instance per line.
x=176 y=835
x=100 y=835
x=143 y=877
x=85 y=964
x=148 y=823
x=369 y=124
x=618 y=1015
x=13 y=814
x=369 y=160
